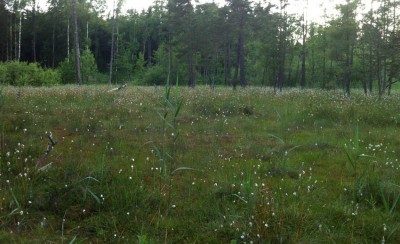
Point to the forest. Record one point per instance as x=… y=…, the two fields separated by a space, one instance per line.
x=238 y=44
x=241 y=123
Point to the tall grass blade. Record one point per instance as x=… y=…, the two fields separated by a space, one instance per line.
x=164 y=118
x=356 y=138
x=12 y=212
x=291 y=149
x=178 y=109
x=73 y=240
x=241 y=198
x=89 y=178
x=15 y=198
x=94 y=195
x=158 y=152
x=393 y=231
x=351 y=160
x=168 y=102
x=277 y=137
x=182 y=169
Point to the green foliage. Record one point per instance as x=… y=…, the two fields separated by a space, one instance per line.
x=156 y=75
x=88 y=68
x=3 y=74
x=140 y=69
x=268 y=167
x=27 y=74
x=2 y=99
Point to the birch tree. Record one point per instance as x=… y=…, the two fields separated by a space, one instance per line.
x=76 y=44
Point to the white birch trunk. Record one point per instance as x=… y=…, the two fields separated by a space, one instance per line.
x=19 y=31
x=112 y=46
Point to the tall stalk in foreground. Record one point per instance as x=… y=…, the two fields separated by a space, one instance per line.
x=166 y=149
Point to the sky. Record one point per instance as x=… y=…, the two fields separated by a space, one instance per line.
x=315 y=10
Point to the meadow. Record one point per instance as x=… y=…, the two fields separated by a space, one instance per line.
x=182 y=165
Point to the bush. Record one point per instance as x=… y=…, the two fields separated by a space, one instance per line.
x=3 y=71
x=155 y=75
x=27 y=74
x=88 y=69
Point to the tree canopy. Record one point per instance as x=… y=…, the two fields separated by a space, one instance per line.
x=239 y=43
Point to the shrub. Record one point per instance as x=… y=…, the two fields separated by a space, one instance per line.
x=88 y=68
x=2 y=74
x=155 y=75
x=27 y=74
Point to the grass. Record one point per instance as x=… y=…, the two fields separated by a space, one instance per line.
x=223 y=167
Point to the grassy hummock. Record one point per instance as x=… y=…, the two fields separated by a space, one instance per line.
x=153 y=165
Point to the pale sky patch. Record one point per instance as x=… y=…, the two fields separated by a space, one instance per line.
x=315 y=10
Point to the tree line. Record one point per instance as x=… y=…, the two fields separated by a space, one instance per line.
x=240 y=43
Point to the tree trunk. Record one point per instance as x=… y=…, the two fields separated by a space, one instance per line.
x=227 y=63
x=371 y=73
x=364 y=75
x=76 y=44
x=170 y=58
x=236 y=74
x=11 y=38
x=290 y=69
x=53 y=49
x=19 y=31
x=112 y=46
x=34 y=31
x=303 y=57
x=149 y=52
x=116 y=48
x=324 y=68
x=241 y=53
x=379 y=71
x=192 y=78
x=347 y=77
x=282 y=61
x=264 y=73
x=68 y=48
x=242 y=60
x=297 y=73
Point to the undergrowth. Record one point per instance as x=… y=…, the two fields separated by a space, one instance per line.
x=176 y=165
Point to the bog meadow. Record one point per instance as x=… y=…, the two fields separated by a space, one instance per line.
x=195 y=122
x=156 y=164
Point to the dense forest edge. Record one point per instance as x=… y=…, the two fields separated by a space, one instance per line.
x=238 y=44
